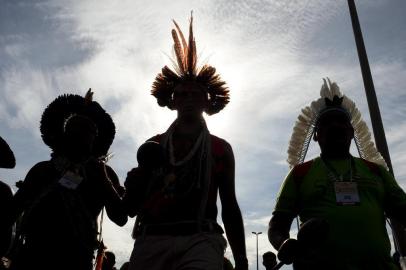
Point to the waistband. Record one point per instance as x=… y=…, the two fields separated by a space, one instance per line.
x=179 y=228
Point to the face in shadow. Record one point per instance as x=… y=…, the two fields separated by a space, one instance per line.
x=190 y=100
x=79 y=136
x=334 y=133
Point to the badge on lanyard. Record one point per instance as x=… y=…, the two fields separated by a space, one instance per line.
x=70 y=180
x=346 y=193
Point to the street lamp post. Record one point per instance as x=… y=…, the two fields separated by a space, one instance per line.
x=256 y=234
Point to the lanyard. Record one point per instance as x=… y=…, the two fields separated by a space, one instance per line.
x=334 y=175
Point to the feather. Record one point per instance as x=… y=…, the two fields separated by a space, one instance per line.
x=89 y=96
x=301 y=136
x=177 y=47
x=191 y=56
x=182 y=37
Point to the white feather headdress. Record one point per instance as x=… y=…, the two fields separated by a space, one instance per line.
x=305 y=126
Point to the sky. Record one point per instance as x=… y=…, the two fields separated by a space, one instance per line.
x=273 y=55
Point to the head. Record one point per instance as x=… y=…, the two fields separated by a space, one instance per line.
x=7 y=159
x=334 y=132
x=189 y=100
x=125 y=266
x=79 y=135
x=269 y=260
x=109 y=260
x=151 y=155
x=227 y=265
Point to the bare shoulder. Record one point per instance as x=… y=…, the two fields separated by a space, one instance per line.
x=5 y=189
x=41 y=167
x=39 y=175
x=221 y=147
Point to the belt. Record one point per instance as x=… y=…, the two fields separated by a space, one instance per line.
x=178 y=229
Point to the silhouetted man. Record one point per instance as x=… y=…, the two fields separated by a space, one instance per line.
x=177 y=226
x=7 y=160
x=61 y=198
x=351 y=194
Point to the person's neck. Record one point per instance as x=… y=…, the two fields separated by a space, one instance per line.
x=189 y=128
x=335 y=155
x=72 y=159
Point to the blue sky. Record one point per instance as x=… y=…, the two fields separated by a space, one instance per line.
x=272 y=54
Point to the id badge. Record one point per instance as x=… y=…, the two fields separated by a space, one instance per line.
x=70 y=180
x=346 y=193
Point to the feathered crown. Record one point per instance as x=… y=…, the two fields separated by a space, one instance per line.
x=331 y=98
x=54 y=117
x=185 y=66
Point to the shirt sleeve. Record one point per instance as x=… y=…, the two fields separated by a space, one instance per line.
x=395 y=197
x=286 y=201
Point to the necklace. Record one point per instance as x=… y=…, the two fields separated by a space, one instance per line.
x=334 y=175
x=191 y=153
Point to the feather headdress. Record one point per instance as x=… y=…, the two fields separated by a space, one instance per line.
x=54 y=117
x=185 y=69
x=330 y=98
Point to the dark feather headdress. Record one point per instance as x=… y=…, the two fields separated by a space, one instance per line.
x=185 y=69
x=54 y=117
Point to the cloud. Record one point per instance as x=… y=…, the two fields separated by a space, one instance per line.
x=24 y=93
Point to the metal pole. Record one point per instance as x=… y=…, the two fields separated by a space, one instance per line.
x=376 y=120
x=256 y=234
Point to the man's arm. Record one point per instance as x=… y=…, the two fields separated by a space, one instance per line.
x=285 y=212
x=395 y=197
x=136 y=185
x=279 y=227
x=34 y=185
x=6 y=198
x=231 y=213
x=114 y=205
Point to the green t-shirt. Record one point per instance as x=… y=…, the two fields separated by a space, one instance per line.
x=357 y=237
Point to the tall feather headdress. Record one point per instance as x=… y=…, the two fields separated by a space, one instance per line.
x=185 y=69
x=306 y=122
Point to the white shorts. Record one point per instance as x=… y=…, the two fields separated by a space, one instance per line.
x=201 y=251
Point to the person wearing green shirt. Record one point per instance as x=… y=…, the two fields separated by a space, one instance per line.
x=353 y=195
